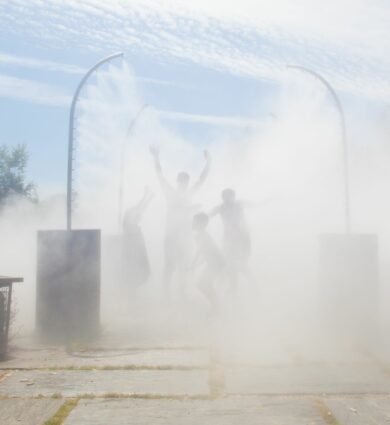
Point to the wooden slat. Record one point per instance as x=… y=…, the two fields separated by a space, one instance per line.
x=7 y=280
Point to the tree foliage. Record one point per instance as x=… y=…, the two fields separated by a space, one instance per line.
x=13 y=162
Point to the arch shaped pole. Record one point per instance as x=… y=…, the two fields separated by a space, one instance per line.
x=71 y=136
x=122 y=166
x=331 y=90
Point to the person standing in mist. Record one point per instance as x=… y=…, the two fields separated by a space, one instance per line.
x=136 y=266
x=180 y=210
x=209 y=255
x=236 y=235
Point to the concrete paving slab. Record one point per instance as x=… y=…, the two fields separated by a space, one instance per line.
x=227 y=411
x=52 y=357
x=27 y=411
x=361 y=411
x=308 y=379
x=99 y=382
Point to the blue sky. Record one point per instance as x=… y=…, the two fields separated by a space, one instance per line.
x=204 y=60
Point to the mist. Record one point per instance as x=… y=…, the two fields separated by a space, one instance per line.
x=291 y=159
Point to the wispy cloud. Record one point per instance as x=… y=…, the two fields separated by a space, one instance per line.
x=347 y=40
x=45 y=94
x=32 y=91
x=146 y=80
x=26 y=62
x=224 y=121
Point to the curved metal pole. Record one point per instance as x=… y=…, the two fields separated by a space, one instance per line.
x=70 y=141
x=347 y=209
x=122 y=168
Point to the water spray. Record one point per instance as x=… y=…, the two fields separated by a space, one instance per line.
x=339 y=107
x=348 y=262
x=69 y=198
x=122 y=167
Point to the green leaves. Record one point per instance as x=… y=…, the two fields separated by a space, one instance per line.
x=13 y=162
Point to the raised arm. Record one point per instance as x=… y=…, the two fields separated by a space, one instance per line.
x=214 y=211
x=204 y=174
x=144 y=202
x=157 y=165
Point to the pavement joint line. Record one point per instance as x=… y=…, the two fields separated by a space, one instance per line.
x=156 y=396
x=384 y=367
x=313 y=394
x=100 y=348
x=106 y=367
x=155 y=348
x=111 y=395
x=325 y=411
x=104 y=349
x=63 y=412
x=297 y=365
x=5 y=376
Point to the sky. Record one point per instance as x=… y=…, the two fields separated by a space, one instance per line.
x=209 y=65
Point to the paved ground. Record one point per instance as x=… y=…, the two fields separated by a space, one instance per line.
x=227 y=411
x=45 y=357
x=72 y=383
x=151 y=383
x=316 y=378
x=27 y=411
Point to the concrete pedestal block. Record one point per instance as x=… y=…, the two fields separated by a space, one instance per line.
x=68 y=285
x=349 y=290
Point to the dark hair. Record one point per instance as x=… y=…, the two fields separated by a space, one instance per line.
x=228 y=194
x=183 y=177
x=201 y=219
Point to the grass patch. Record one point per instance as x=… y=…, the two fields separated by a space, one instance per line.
x=56 y=395
x=104 y=367
x=147 y=396
x=63 y=412
x=87 y=349
x=325 y=412
x=4 y=375
x=126 y=367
